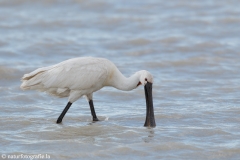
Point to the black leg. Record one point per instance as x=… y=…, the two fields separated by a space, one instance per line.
x=93 y=111
x=64 y=112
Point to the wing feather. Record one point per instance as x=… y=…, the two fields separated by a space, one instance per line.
x=73 y=74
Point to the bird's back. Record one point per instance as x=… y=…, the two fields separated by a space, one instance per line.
x=85 y=73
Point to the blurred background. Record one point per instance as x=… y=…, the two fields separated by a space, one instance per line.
x=192 y=48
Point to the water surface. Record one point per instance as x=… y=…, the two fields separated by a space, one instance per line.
x=191 y=48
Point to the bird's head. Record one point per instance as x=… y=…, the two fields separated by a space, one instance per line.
x=146 y=79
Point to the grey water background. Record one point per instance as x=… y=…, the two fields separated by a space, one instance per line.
x=192 y=48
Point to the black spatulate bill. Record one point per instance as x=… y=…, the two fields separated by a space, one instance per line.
x=150 y=120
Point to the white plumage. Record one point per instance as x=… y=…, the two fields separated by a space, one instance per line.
x=73 y=77
x=76 y=77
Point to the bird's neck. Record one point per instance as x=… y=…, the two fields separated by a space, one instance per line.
x=123 y=83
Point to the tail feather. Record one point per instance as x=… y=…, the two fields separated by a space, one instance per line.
x=33 y=80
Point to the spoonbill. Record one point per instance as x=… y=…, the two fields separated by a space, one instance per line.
x=82 y=76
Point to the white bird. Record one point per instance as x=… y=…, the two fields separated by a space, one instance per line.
x=81 y=76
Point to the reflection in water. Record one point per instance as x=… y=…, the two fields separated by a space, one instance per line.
x=150 y=135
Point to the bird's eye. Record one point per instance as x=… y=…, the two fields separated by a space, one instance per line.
x=145 y=79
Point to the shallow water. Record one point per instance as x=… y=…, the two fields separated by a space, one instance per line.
x=191 y=48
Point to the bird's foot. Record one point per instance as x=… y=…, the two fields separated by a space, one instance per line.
x=59 y=121
x=95 y=119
